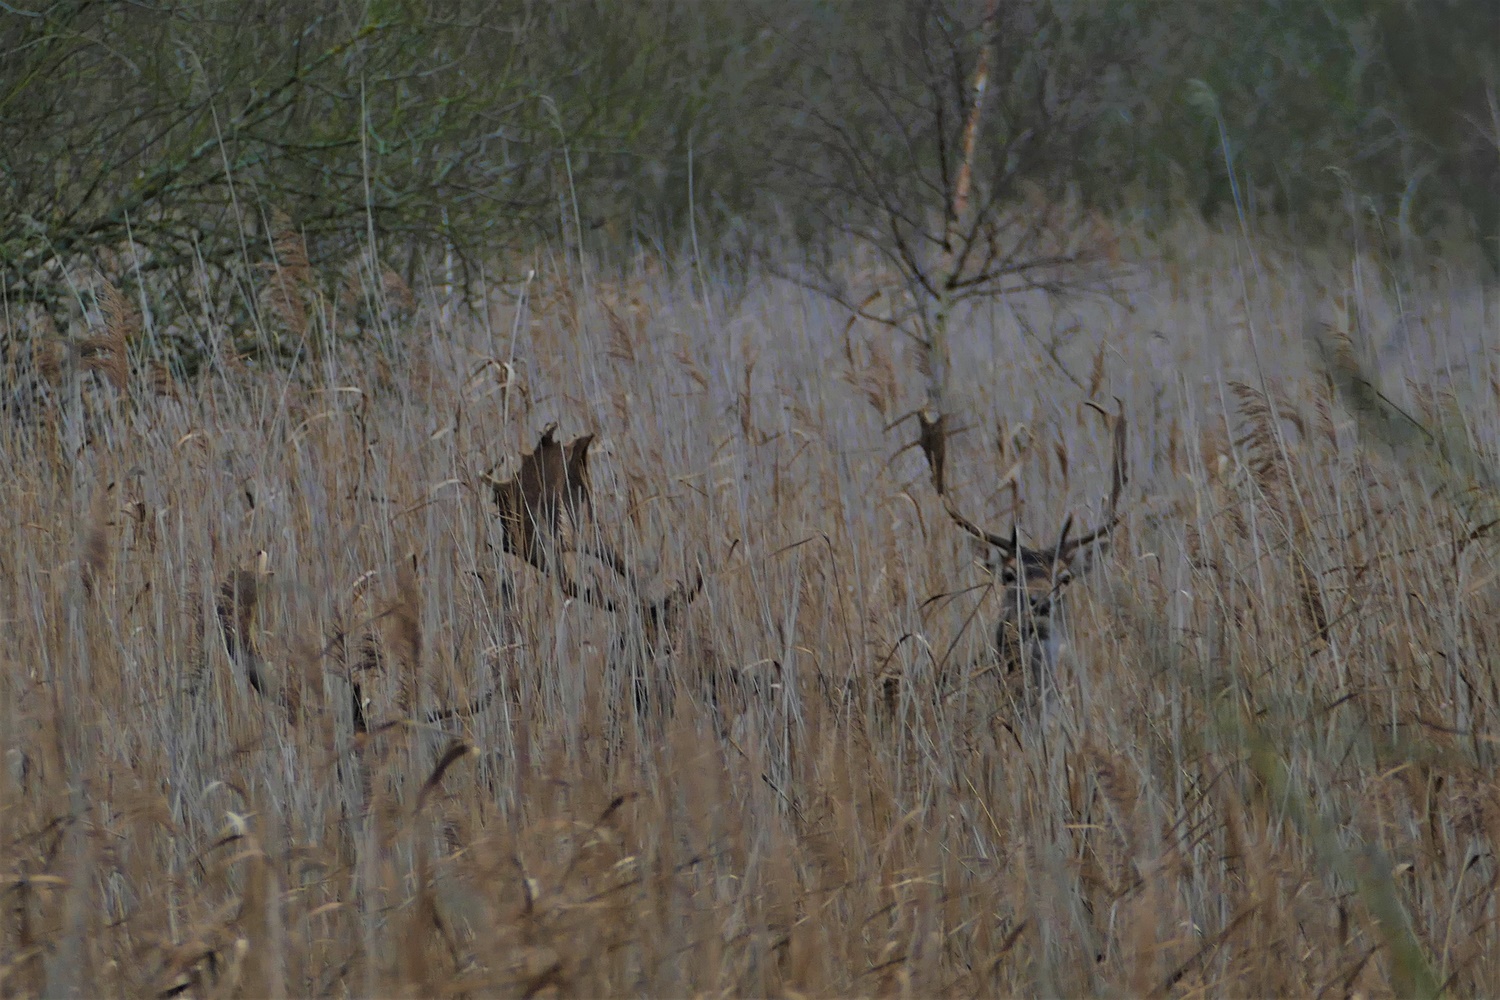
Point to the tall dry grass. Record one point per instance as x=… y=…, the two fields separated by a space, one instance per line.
x=280 y=717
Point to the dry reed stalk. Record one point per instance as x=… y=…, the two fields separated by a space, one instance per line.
x=94 y=556
x=876 y=379
x=289 y=286
x=397 y=292
x=1269 y=464
x=55 y=361
x=406 y=624
x=163 y=382
x=235 y=606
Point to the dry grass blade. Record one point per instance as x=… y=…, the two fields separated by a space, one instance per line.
x=109 y=353
x=55 y=360
x=94 y=558
x=290 y=285
x=237 y=600
x=406 y=623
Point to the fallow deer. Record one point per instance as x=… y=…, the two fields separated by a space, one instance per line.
x=1030 y=629
x=543 y=513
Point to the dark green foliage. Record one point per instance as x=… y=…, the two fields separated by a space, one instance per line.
x=1391 y=102
x=479 y=123
x=183 y=125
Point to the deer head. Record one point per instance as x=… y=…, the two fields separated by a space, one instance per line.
x=1033 y=580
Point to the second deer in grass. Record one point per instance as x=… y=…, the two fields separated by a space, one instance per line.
x=1030 y=628
x=545 y=513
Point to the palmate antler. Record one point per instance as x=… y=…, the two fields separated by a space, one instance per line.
x=551 y=485
x=1033 y=579
x=1011 y=547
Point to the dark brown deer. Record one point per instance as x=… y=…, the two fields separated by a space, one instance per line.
x=1034 y=580
x=544 y=512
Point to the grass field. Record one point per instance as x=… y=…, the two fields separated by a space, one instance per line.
x=1269 y=768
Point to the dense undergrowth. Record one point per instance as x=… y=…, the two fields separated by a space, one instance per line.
x=282 y=717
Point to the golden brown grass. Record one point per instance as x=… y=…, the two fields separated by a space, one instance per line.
x=1269 y=769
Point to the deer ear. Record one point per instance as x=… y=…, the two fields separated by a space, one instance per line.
x=1000 y=565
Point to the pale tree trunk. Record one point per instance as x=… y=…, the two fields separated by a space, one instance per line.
x=934 y=418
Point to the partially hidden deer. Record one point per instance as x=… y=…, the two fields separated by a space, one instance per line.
x=1029 y=632
x=544 y=510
